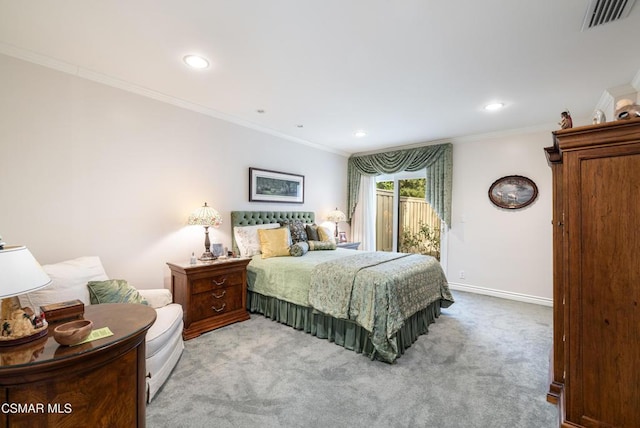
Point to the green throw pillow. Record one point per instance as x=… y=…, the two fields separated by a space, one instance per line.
x=322 y=245
x=113 y=291
x=299 y=249
x=312 y=232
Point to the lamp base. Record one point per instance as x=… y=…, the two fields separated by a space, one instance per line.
x=207 y=256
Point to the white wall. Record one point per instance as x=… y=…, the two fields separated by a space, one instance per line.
x=502 y=252
x=87 y=169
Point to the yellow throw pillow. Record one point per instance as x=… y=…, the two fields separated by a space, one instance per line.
x=274 y=242
x=325 y=234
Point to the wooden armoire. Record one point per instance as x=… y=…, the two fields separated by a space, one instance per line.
x=595 y=361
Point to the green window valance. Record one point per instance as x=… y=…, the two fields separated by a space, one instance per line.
x=438 y=161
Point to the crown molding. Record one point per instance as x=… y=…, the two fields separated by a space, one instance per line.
x=605 y=103
x=546 y=127
x=104 y=79
x=39 y=59
x=607 y=100
x=635 y=82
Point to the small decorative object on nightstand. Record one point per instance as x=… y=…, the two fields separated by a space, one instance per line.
x=212 y=294
x=349 y=245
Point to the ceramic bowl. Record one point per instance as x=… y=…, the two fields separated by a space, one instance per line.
x=72 y=332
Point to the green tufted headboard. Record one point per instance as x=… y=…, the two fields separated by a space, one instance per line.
x=249 y=218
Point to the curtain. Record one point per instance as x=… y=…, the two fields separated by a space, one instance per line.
x=438 y=161
x=364 y=218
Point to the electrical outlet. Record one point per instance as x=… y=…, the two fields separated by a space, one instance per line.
x=461 y=274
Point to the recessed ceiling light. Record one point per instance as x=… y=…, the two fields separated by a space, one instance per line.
x=359 y=134
x=196 y=61
x=494 y=106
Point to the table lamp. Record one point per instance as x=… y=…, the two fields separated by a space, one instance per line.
x=20 y=273
x=206 y=216
x=336 y=216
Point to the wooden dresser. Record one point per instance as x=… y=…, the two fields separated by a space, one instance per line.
x=595 y=363
x=212 y=294
x=95 y=384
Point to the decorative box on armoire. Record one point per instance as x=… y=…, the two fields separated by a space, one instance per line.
x=595 y=362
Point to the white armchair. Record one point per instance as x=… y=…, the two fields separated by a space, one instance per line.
x=164 y=342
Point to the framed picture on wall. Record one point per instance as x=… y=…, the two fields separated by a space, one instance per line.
x=513 y=192
x=275 y=186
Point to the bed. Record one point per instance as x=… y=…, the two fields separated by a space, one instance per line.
x=374 y=303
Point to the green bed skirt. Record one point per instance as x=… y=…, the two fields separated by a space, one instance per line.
x=342 y=332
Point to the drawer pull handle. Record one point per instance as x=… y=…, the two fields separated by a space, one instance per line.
x=224 y=305
x=220 y=296
x=219 y=283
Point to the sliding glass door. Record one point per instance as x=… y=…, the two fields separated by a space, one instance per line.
x=404 y=220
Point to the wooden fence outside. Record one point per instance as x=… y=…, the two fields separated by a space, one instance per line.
x=384 y=220
x=413 y=211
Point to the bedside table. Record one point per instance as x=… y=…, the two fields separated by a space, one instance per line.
x=349 y=245
x=212 y=294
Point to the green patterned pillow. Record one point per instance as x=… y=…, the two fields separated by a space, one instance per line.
x=321 y=245
x=299 y=249
x=113 y=291
x=297 y=228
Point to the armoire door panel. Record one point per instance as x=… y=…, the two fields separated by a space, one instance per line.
x=604 y=250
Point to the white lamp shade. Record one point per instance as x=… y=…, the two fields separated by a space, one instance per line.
x=205 y=216
x=20 y=272
x=336 y=216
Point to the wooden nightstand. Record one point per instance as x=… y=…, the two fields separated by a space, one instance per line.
x=212 y=294
x=349 y=245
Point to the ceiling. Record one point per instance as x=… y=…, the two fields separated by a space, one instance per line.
x=405 y=72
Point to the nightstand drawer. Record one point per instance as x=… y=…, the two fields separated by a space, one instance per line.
x=213 y=282
x=216 y=302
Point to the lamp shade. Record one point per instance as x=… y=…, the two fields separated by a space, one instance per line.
x=20 y=272
x=205 y=216
x=336 y=216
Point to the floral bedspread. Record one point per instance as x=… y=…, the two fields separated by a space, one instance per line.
x=379 y=291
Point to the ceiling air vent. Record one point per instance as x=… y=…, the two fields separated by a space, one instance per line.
x=603 y=11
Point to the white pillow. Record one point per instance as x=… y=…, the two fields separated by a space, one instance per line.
x=247 y=238
x=69 y=282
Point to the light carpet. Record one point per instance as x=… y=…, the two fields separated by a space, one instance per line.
x=484 y=363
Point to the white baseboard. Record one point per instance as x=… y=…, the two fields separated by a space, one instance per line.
x=502 y=294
